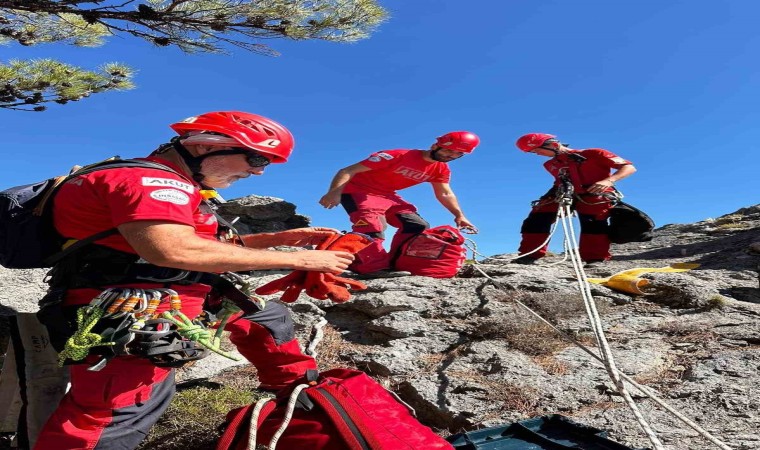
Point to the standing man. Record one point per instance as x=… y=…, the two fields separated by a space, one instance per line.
x=168 y=238
x=589 y=173
x=367 y=191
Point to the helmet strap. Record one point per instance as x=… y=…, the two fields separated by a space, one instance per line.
x=194 y=162
x=434 y=154
x=556 y=151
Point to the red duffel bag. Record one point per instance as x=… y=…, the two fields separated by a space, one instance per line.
x=341 y=410
x=436 y=252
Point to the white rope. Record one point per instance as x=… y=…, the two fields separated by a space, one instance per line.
x=253 y=427
x=311 y=351
x=546 y=242
x=553 y=229
x=473 y=247
x=288 y=415
x=559 y=200
x=398 y=399
x=318 y=335
x=597 y=326
x=565 y=253
x=645 y=390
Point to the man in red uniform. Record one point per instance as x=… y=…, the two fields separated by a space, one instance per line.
x=168 y=238
x=367 y=191
x=589 y=173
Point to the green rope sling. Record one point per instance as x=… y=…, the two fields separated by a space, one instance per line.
x=198 y=333
x=78 y=346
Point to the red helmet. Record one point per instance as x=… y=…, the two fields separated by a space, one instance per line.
x=533 y=140
x=250 y=130
x=458 y=141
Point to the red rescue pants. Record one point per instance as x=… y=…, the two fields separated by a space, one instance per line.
x=371 y=214
x=115 y=407
x=593 y=211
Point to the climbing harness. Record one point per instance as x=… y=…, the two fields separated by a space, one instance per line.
x=128 y=324
x=564 y=194
x=320 y=285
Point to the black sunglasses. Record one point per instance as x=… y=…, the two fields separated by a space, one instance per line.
x=256 y=159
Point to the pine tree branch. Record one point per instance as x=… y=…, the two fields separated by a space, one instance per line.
x=185 y=23
x=190 y=25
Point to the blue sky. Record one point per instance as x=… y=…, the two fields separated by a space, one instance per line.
x=672 y=86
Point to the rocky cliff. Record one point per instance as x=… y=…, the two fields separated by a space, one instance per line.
x=465 y=356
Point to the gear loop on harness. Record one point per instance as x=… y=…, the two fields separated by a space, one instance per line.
x=124 y=320
x=613 y=197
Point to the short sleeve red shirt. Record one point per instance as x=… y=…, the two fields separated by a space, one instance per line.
x=393 y=170
x=597 y=166
x=105 y=199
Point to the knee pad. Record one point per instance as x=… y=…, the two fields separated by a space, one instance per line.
x=538 y=223
x=276 y=319
x=348 y=203
x=592 y=225
x=412 y=223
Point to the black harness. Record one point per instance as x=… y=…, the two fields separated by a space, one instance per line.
x=85 y=264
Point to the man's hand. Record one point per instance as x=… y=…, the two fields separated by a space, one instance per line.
x=322 y=260
x=465 y=225
x=600 y=186
x=301 y=237
x=330 y=200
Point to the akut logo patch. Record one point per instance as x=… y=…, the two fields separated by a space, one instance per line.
x=168 y=183
x=412 y=174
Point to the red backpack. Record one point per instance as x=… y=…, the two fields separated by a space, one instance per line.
x=436 y=252
x=342 y=410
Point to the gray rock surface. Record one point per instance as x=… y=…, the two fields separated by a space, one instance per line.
x=465 y=356
x=258 y=214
